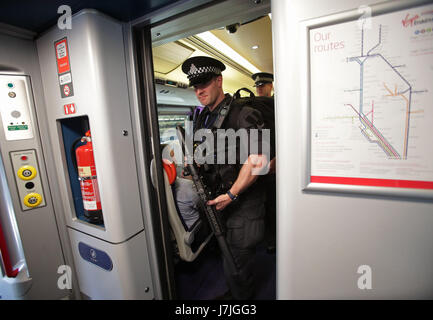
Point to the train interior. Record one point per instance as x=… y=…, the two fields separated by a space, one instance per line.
x=91 y=93
x=133 y=222
x=246 y=48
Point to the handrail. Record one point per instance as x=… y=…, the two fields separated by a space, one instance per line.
x=10 y=272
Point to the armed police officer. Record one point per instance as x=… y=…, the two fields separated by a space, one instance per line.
x=237 y=194
x=263 y=83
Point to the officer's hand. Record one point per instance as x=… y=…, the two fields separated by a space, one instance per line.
x=185 y=163
x=272 y=166
x=220 y=202
x=188 y=176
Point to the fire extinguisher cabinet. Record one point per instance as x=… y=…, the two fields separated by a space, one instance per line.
x=110 y=253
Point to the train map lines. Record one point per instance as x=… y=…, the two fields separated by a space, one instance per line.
x=393 y=104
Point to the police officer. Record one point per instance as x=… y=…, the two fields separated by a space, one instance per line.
x=264 y=86
x=263 y=83
x=241 y=198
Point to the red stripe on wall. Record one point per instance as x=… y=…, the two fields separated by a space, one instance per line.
x=374 y=182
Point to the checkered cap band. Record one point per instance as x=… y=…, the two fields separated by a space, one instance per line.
x=197 y=72
x=263 y=79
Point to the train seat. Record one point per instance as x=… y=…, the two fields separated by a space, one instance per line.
x=190 y=240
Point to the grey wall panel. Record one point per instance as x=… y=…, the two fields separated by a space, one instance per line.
x=40 y=235
x=324 y=238
x=97 y=61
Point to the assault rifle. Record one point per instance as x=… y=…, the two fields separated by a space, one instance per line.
x=205 y=195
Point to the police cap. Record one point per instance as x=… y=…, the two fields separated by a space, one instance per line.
x=261 y=78
x=201 y=69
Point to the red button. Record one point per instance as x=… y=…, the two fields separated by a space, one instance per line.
x=24 y=158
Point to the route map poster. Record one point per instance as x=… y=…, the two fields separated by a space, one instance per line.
x=371 y=100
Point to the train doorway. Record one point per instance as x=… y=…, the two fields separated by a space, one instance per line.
x=239 y=34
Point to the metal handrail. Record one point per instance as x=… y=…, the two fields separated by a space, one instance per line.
x=10 y=271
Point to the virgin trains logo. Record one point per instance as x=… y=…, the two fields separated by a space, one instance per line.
x=413 y=20
x=408 y=21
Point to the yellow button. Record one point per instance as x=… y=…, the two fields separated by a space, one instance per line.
x=32 y=199
x=26 y=172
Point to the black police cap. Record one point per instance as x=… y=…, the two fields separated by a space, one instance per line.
x=261 y=78
x=201 y=69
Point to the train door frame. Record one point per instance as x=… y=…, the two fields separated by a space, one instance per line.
x=144 y=33
x=147 y=104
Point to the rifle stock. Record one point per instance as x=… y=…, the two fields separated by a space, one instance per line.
x=205 y=195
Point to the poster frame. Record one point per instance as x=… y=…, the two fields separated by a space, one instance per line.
x=329 y=20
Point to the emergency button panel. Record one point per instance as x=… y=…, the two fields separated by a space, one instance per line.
x=15 y=104
x=28 y=180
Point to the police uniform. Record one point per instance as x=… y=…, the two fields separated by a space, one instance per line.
x=244 y=218
x=261 y=78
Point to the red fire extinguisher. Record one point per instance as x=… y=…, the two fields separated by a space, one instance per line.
x=88 y=180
